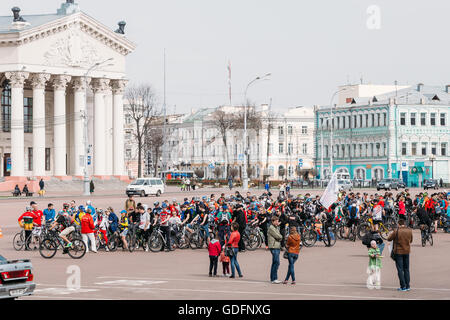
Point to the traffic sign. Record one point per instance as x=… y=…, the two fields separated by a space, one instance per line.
x=241 y=157
x=300 y=163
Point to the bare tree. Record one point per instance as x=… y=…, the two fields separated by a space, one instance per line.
x=224 y=122
x=270 y=119
x=154 y=141
x=142 y=110
x=217 y=172
x=234 y=172
x=200 y=173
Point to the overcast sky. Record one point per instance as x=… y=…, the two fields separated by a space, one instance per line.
x=310 y=47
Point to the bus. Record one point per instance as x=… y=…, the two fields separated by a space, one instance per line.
x=176 y=175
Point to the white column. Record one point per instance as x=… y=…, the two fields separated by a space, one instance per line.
x=79 y=87
x=118 y=87
x=99 y=87
x=38 y=82
x=17 y=80
x=109 y=129
x=59 y=125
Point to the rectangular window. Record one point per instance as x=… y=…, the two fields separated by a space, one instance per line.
x=403 y=119
x=373 y=120
x=423 y=119
x=290 y=130
x=367 y=120
x=30 y=159
x=47 y=159
x=28 y=115
x=434 y=148
x=424 y=148
x=281 y=131
x=270 y=148
x=403 y=149
x=360 y=120
x=443 y=149
x=305 y=148
x=280 y=148
x=6 y=108
x=413 y=119
x=443 y=119
x=304 y=130
x=385 y=119
x=414 y=148
x=433 y=119
x=290 y=148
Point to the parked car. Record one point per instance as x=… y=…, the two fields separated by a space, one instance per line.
x=400 y=183
x=430 y=184
x=387 y=184
x=16 y=278
x=146 y=186
x=345 y=185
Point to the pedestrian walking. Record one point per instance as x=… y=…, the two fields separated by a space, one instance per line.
x=130 y=203
x=87 y=231
x=230 y=182
x=188 y=184
x=233 y=249
x=402 y=239
x=267 y=186
x=91 y=186
x=374 y=269
x=274 y=237
x=41 y=188
x=293 y=250
x=214 y=250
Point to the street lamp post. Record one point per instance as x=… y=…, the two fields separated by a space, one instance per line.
x=86 y=182
x=331 y=130
x=245 y=175
x=432 y=159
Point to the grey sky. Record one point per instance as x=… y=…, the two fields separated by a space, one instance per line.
x=310 y=47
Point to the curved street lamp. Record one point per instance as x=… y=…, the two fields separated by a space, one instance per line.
x=245 y=175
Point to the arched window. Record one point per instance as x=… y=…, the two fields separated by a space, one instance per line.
x=281 y=172
x=6 y=107
x=360 y=173
x=378 y=173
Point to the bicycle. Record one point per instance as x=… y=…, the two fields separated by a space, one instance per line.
x=197 y=237
x=115 y=241
x=157 y=241
x=251 y=238
x=52 y=242
x=367 y=226
x=426 y=235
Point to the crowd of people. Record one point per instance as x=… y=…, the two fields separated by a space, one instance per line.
x=223 y=222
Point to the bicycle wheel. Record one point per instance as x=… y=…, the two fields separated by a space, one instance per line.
x=310 y=238
x=384 y=232
x=112 y=243
x=155 y=242
x=331 y=240
x=98 y=241
x=78 y=249
x=131 y=241
x=19 y=241
x=252 y=242
x=183 y=243
x=33 y=242
x=48 y=248
x=362 y=230
x=352 y=235
x=430 y=239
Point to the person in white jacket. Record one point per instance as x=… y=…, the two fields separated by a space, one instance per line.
x=103 y=225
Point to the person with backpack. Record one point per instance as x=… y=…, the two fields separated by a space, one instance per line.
x=353 y=217
x=223 y=218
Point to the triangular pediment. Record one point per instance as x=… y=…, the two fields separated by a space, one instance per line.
x=78 y=24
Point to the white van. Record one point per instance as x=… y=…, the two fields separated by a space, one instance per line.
x=146 y=186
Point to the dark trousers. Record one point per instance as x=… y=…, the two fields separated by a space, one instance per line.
x=241 y=241
x=213 y=264
x=27 y=239
x=402 y=264
x=226 y=267
x=283 y=234
x=264 y=231
x=166 y=234
x=275 y=264
x=224 y=230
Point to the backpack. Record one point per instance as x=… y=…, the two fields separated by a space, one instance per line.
x=353 y=212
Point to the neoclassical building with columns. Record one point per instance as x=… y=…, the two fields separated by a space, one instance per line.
x=56 y=72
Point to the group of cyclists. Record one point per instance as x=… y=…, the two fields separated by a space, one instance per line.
x=193 y=222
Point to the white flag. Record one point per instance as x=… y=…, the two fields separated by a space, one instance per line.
x=331 y=193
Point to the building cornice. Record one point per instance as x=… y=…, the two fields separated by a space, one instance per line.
x=78 y=20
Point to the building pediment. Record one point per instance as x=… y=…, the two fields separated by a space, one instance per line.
x=75 y=46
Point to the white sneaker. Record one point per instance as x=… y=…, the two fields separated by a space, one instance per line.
x=276 y=282
x=106 y=249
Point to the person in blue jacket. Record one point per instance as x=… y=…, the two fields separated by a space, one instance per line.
x=49 y=213
x=113 y=220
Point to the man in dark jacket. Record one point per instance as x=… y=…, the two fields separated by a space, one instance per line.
x=239 y=217
x=402 y=238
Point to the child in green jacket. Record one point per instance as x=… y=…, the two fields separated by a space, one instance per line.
x=374 y=269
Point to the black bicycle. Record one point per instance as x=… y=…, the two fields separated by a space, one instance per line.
x=52 y=242
x=157 y=240
x=115 y=242
x=425 y=232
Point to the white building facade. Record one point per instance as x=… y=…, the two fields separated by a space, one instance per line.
x=275 y=150
x=46 y=94
x=402 y=134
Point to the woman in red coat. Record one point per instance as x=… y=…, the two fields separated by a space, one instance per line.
x=87 y=231
x=233 y=244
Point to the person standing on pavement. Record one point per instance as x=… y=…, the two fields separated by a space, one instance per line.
x=214 y=249
x=274 y=237
x=87 y=231
x=233 y=245
x=293 y=249
x=91 y=187
x=41 y=187
x=130 y=203
x=402 y=238
x=239 y=217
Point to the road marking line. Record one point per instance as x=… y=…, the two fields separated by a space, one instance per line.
x=252 y=292
x=133 y=283
x=266 y=282
x=64 y=298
